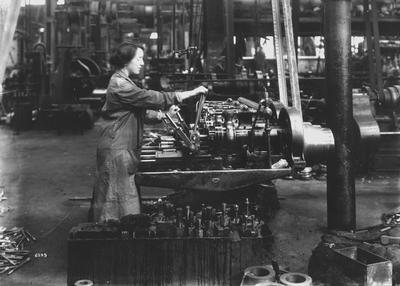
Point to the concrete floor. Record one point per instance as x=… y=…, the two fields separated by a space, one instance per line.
x=41 y=171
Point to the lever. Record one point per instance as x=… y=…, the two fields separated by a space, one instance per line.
x=199 y=109
x=186 y=140
x=183 y=123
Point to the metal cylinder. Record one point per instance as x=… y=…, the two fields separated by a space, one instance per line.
x=340 y=177
x=248 y=102
x=258 y=274
x=318 y=143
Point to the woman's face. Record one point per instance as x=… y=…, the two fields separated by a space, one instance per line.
x=136 y=64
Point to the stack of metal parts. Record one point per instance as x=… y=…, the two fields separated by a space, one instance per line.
x=392 y=218
x=12 y=253
x=170 y=244
x=162 y=219
x=194 y=245
x=229 y=220
x=160 y=147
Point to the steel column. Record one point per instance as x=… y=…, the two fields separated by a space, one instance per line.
x=173 y=26
x=230 y=49
x=159 y=29
x=340 y=179
x=191 y=23
x=214 y=28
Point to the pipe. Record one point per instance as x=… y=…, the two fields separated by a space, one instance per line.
x=340 y=176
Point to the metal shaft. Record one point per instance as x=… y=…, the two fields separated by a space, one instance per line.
x=340 y=179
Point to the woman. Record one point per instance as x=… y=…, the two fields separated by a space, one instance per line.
x=115 y=194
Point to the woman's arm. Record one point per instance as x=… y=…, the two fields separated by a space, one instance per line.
x=187 y=94
x=129 y=94
x=153 y=116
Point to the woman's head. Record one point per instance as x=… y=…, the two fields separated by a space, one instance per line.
x=129 y=56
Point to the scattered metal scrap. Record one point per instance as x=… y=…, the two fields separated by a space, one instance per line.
x=392 y=217
x=12 y=253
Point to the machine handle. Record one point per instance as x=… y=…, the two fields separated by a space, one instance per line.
x=199 y=109
x=181 y=133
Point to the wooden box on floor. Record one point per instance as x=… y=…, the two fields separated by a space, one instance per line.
x=164 y=261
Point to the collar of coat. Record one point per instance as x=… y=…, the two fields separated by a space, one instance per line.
x=120 y=73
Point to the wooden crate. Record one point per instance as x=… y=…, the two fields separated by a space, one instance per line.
x=164 y=261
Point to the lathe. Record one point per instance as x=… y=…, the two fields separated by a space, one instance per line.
x=232 y=144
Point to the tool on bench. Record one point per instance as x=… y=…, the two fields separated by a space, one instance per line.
x=387 y=239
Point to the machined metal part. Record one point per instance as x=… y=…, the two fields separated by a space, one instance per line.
x=28 y=259
x=313 y=143
x=363 y=266
x=318 y=143
x=291 y=121
x=390 y=97
x=394 y=94
x=367 y=129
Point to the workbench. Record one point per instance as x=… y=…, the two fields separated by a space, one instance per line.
x=161 y=261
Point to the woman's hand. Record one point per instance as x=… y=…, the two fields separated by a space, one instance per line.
x=187 y=94
x=173 y=110
x=199 y=90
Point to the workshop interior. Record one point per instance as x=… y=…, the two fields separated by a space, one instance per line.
x=266 y=140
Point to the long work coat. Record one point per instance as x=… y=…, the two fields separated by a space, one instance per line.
x=118 y=151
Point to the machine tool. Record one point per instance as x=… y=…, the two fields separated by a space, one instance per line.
x=232 y=144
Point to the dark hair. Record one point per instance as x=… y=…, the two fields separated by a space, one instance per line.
x=124 y=54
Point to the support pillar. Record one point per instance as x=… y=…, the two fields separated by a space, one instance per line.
x=340 y=179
